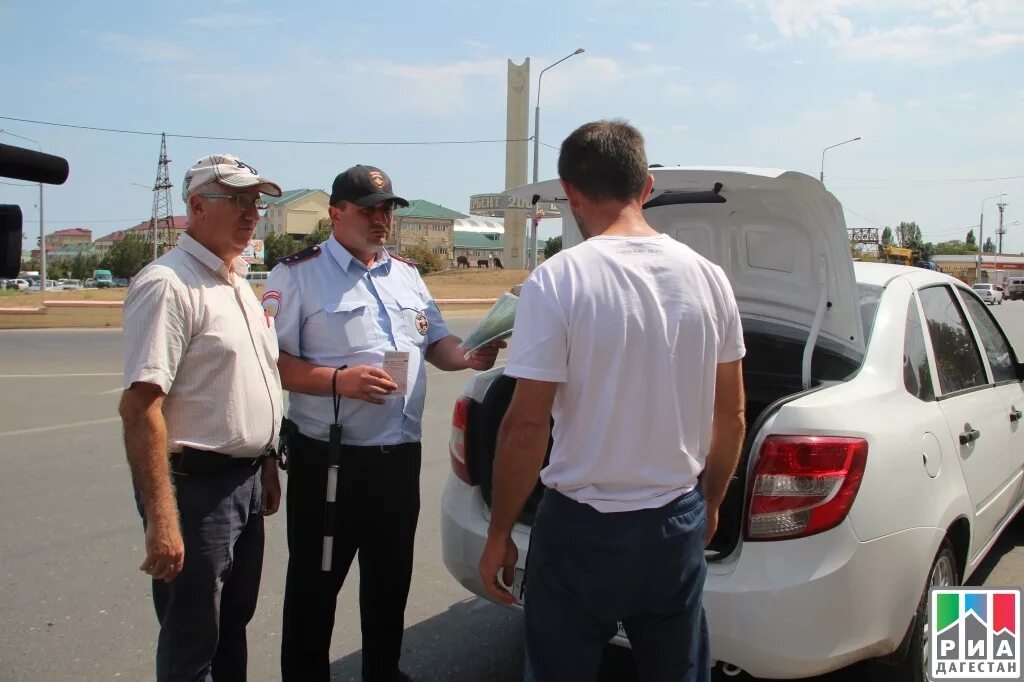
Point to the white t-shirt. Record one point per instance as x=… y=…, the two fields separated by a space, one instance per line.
x=632 y=330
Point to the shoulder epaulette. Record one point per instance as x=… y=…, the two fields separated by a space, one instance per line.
x=408 y=261
x=300 y=256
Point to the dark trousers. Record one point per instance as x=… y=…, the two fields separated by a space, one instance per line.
x=378 y=503
x=204 y=611
x=586 y=571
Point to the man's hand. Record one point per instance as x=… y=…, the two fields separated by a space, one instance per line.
x=482 y=359
x=712 y=517
x=499 y=553
x=271 y=499
x=364 y=382
x=165 y=550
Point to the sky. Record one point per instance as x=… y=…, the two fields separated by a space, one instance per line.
x=933 y=88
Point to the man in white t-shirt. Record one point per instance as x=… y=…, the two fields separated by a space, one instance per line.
x=632 y=343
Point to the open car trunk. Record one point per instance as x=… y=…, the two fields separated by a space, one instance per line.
x=781 y=239
x=771 y=376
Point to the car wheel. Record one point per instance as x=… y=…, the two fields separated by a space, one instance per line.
x=917 y=666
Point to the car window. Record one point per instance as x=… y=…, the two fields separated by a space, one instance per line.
x=1000 y=357
x=917 y=375
x=957 y=356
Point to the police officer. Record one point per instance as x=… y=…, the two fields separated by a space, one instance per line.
x=338 y=307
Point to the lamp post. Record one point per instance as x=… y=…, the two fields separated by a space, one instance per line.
x=821 y=177
x=532 y=257
x=981 y=236
x=42 y=236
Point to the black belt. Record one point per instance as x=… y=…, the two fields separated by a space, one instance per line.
x=193 y=461
x=358 y=449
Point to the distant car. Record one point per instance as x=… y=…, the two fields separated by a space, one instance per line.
x=120 y=282
x=51 y=285
x=68 y=284
x=1015 y=288
x=989 y=293
x=926 y=264
x=90 y=283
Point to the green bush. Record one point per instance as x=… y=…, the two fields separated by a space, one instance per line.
x=425 y=260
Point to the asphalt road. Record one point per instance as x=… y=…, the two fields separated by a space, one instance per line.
x=74 y=606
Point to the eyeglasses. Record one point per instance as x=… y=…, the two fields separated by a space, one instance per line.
x=387 y=207
x=243 y=201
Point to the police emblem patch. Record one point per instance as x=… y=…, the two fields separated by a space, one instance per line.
x=421 y=323
x=377 y=178
x=271 y=303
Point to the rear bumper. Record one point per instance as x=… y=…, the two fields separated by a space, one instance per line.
x=784 y=610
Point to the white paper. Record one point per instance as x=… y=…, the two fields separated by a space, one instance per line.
x=396 y=364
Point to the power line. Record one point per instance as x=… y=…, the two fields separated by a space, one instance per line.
x=937 y=180
x=250 y=139
x=864 y=217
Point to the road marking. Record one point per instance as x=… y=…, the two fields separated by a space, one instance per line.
x=57 y=427
x=58 y=376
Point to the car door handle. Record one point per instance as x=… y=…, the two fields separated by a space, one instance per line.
x=969 y=435
x=1015 y=414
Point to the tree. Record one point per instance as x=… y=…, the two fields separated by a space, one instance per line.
x=909 y=235
x=83 y=265
x=553 y=246
x=954 y=247
x=887 y=236
x=425 y=259
x=971 y=240
x=321 y=233
x=129 y=255
x=277 y=246
x=990 y=246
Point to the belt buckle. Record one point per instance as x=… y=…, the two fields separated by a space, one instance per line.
x=388 y=449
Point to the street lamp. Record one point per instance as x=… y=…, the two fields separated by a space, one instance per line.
x=822 y=176
x=981 y=236
x=42 y=236
x=532 y=257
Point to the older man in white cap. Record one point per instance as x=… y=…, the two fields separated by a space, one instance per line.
x=201 y=410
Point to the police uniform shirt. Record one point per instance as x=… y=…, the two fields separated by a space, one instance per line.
x=331 y=310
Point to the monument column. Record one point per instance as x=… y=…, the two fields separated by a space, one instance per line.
x=517 y=134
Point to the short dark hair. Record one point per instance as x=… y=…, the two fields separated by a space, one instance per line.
x=605 y=160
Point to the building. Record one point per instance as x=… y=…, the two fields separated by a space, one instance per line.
x=478 y=238
x=296 y=212
x=74 y=235
x=102 y=245
x=426 y=225
x=69 y=252
x=994 y=267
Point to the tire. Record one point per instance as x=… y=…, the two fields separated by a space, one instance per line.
x=917 y=665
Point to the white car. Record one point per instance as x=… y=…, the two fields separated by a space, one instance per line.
x=989 y=293
x=885 y=449
x=69 y=284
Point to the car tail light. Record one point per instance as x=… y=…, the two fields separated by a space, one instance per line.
x=457 y=442
x=804 y=485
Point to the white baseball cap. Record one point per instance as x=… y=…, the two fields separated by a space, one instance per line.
x=229 y=170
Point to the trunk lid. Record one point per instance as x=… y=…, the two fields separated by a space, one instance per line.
x=779 y=235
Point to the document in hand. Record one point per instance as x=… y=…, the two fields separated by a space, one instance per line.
x=496 y=325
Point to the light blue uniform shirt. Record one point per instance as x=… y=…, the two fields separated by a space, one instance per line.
x=330 y=310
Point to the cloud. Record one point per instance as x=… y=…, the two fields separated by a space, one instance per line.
x=477 y=45
x=642 y=47
x=934 y=31
x=756 y=42
x=229 y=20
x=146 y=49
x=914 y=103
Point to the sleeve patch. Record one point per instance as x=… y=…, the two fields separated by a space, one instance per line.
x=271 y=303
